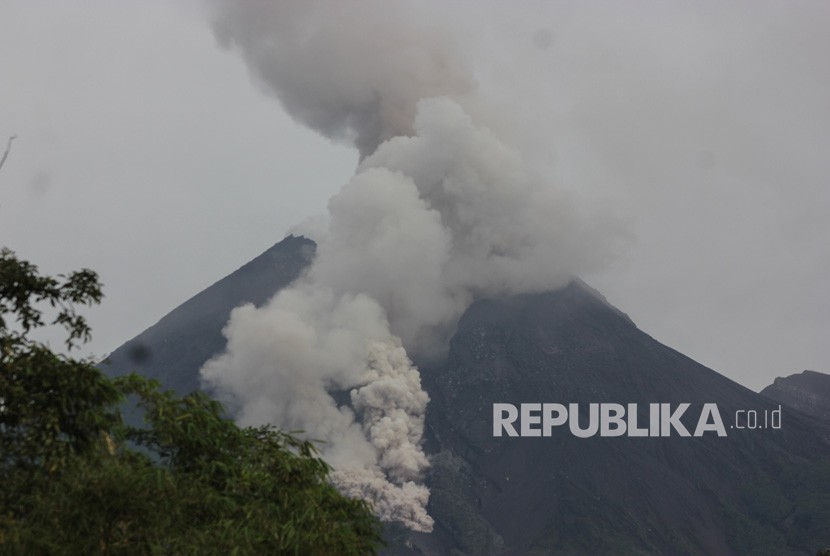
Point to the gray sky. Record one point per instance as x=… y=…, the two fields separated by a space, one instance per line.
x=145 y=152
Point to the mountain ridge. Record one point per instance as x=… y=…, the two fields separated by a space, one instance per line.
x=807 y=391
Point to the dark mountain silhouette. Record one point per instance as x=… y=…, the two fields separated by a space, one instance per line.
x=808 y=392
x=747 y=493
x=760 y=491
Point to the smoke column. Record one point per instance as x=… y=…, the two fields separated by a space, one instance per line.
x=439 y=211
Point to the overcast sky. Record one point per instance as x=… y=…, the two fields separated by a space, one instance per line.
x=146 y=152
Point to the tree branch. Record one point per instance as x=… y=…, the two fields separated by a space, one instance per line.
x=8 y=148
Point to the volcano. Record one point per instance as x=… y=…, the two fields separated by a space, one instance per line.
x=755 y=490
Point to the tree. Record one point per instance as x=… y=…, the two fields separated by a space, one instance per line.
x=78 y=480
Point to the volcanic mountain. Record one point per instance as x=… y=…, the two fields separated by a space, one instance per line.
x=758 y=490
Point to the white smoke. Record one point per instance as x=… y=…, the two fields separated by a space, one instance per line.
x=406 y=504
x=281 y=362
x=439 y=211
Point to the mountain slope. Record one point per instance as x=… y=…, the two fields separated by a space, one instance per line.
x=808 y=392
x=173 y=350
x=763 y=491
x=741 y=494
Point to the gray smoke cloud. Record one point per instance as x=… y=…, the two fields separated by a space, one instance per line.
x=439 y=211
x=350 y=70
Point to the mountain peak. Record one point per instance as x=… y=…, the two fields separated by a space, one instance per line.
x=174 y=349
x=807 y=391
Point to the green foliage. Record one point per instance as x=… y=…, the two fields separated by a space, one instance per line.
x=22 y=289
x=51 y=407
x=78 y=480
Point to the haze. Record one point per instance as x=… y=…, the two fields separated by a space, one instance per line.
x=146 y=152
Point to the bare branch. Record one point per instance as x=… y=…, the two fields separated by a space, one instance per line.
x=8 y=148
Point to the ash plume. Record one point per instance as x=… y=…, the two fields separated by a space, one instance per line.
x=439 y=211
x=349 y=70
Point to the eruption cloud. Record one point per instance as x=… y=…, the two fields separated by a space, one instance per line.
x=349 y=70
x=439 y=212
